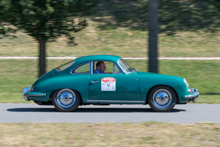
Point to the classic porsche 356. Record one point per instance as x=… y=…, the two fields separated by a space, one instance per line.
x=75 y=83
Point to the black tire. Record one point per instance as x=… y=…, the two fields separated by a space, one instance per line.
x=162 y=99
x=66 y=100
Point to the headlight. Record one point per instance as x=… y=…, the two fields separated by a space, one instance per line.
x=187 y=85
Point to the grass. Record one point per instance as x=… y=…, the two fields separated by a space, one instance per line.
x=121 y=41
x=107 y=134
x=202 y=75
x=12 y=98
x=208 y=99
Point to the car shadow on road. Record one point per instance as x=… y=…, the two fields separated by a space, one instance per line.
x=121 y=110
x=92 y=110
x=32 y=110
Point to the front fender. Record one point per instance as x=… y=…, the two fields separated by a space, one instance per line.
x=147 y=82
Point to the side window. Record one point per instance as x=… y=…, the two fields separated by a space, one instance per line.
x=84 y=69
x=106 y=67
x=115 y=69
x=109 y=67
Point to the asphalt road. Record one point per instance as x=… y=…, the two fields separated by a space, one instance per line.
x=183 y=114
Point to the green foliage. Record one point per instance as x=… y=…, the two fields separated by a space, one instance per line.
x=216 y=3
x=174 y=15
x=47 y=19
x=7 y=30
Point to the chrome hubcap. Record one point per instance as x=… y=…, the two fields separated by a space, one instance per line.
x=162 y=98
x=66 y=98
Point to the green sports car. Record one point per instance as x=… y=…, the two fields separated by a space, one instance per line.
x=84 y=81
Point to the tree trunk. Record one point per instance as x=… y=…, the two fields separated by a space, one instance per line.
x=153 y=39
x=42 y=58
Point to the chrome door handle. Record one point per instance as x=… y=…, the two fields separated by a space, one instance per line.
x=93 y=82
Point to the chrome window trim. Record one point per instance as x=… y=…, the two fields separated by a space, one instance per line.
x=121 y=67
x=117 y=67
x=91 y=67
x=113 y=67
x=71 y=71
x=106 y=61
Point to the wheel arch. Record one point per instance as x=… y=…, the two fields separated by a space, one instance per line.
x=162 y=85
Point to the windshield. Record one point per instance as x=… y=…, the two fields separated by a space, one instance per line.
x=66 y=65
x=124 y=66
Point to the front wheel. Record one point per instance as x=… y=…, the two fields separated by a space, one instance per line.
x=162 y=99
x=65 y=100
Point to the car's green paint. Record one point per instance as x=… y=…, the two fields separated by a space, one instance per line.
x=133 y=86
x=127 y=88
x=150 y=80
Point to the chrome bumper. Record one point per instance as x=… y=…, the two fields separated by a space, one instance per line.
x=194 y=95
x=26 y=93
x=25 y=90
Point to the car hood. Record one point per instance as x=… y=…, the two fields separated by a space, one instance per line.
x=146 y=73
x=157 y=76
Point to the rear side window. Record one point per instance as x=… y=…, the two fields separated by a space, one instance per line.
x=65 y=66
x=83 y=69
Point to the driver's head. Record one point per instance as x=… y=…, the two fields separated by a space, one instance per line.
x=100 y=65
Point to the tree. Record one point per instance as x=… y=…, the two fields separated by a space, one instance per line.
x=216 y=3
x=153 y=39
x=176 y=15
x=46 y=20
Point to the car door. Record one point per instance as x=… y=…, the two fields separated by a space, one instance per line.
x=114 y=86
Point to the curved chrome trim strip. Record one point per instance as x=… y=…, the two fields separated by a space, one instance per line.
x=120 y=66
x=34 y=94
x=195 y=94
x=111 y=101
x=26 y=94
x=191 y=96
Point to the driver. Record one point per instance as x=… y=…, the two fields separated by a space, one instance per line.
x=100 y=68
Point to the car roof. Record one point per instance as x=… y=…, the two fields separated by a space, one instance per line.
x=97 y=58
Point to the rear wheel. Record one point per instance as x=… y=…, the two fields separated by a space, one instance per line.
x=65 y=100
x=162 y=99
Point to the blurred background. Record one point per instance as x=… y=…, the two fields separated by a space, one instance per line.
x=187 y=28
